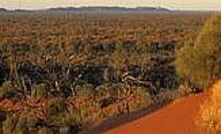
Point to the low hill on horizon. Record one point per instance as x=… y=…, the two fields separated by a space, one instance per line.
x=97 y=9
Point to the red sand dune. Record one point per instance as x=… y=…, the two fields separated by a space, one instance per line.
x=176 y=118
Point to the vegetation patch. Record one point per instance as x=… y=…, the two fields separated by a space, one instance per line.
x=199 y=62
x=209 y=119
x=66 y=73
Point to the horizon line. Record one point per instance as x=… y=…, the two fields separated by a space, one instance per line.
x=108 y=6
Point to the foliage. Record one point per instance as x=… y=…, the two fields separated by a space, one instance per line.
x=9 y=125
x=7 y=90
x=54 y=108
x=86 y=68
x=21 y=126
x=39 y=91
x=85 y=90
x=200 y=63
x=185 y=89
x=166 y=95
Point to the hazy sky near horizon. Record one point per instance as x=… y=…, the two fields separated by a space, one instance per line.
x=172 y=4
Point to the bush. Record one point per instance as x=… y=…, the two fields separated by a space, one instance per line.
x=22 y=126
x=184 y=89
x=39 y=91
x=141 y=99
x=84 y=91
x=124 y=99
x=55 y=106
x=54 y=110
x=17 y=124
x=121 y=60
x=210 y=113
x=7 y=90
x=86 y=114
x=200 y=62
x=9 y=124
x=167 y=95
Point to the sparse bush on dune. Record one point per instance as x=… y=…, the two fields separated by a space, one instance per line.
x=199 y=62
x=39 y=91
x=84 y=91
x=54 y=108
x=140 y=99
x=210 y=113
x=7 y=90
x=9 y=124
x=20 y=124
x=125 y=100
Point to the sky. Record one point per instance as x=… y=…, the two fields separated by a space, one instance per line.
x=172 y=4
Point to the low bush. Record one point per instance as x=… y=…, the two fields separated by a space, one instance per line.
x=9 y=124
x=22 y=126
x=184 y=89
x=7 y=90
x=54 y=109
x=166 y=95
x=84 y=91
x=39 y=91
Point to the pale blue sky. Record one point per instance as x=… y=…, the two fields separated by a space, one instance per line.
x=173 y=4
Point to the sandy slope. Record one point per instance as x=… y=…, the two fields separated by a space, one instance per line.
x=176 y=118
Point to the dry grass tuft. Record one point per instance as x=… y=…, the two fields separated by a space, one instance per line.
x=210 y=113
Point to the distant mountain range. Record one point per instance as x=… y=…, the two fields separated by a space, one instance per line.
x=96 y=10
x=3 y=10
x=110 y=9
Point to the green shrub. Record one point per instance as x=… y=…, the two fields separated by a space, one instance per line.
x=9 y=124
x=61 y=113
x=184 y=89
x=141 y=99
x=86 y=114
x=166 y=95
x=21 y=126
x=200 y=61
x=7 y=90
x=39 y=91
x=84 y=90
x=17 y=125
x=121 y=59
x=54 y=108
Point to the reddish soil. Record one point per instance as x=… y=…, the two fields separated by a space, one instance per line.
x=176 y=118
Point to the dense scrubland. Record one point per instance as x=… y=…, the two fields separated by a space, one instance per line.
x=65 y=72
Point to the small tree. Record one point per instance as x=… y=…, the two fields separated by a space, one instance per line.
x=200 y=63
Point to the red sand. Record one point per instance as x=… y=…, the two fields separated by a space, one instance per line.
x=176 y=118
